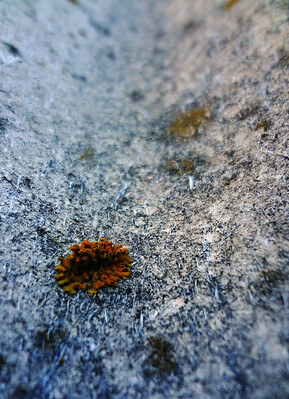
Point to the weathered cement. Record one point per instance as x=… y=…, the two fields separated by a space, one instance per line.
x=87 y=93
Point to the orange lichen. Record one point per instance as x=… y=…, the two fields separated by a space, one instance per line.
x=229 y=4
x=263 y=124
x=87 y=154
x=93 y=265
x=160 y=357
x=189 y=123
x=180 y=166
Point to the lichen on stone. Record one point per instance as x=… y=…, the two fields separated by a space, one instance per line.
x=229 y=4
x=160 y=359
x=189 y=123
x=93 y=265
x=180 y=166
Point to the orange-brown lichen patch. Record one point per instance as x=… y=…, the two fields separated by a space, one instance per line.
x=93 y=265
x=160 y=357
x=229 y=4
x=180 y=166
x=263 y=124
x=189 y=123
x=88 y=153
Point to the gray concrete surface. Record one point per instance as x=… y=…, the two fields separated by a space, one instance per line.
x=88 y=91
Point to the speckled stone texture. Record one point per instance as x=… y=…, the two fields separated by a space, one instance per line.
x=88 y=92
